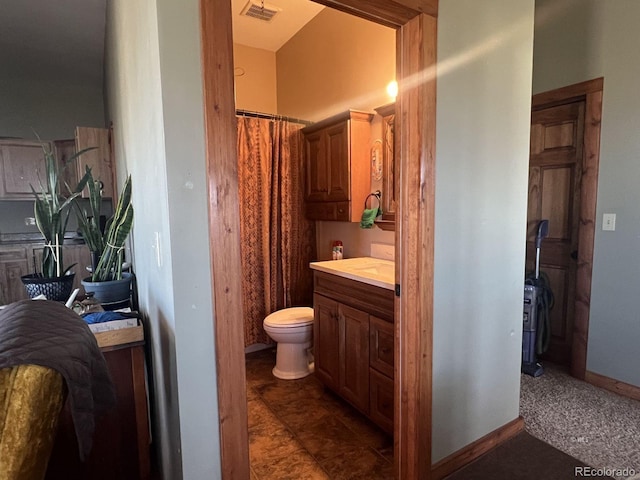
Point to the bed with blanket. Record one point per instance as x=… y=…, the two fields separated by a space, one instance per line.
x=47 y=353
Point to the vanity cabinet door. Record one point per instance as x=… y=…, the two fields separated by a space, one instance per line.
x=381 y=334
x=382 y=401
x=354 y=350
x=326 y=341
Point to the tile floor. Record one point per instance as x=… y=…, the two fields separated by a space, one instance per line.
x=298 y=430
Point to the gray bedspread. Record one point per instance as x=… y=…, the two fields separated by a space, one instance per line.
x=46 y=333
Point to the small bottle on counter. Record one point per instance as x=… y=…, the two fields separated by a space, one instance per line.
x=337 y=250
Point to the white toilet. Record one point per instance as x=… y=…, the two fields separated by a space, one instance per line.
x=292 y=329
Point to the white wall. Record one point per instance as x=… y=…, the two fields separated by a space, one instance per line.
x=155 y=100
x=482 y=156
x=601 y=39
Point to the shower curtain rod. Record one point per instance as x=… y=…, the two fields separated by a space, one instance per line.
x=270 y=116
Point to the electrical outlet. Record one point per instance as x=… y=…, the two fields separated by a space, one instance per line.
x=29 y=221
x=609 y=222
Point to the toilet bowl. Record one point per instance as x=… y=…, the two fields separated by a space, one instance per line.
x=292 y=330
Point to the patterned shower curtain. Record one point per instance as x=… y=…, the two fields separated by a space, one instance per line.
x=277 y=242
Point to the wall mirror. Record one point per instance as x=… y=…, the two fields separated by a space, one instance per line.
x=389 y=168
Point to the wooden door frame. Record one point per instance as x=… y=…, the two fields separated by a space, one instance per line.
x=591 y=93
x=415 y=22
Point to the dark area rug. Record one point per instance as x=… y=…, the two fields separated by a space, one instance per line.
x=524 y=458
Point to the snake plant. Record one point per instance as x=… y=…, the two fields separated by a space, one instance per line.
x=118 y=227
x=89 y=222
x=51 y=211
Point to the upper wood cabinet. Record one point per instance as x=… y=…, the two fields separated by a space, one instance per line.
x=21 y=164
x=338 y=171
x=99 y=160
x=390 y=168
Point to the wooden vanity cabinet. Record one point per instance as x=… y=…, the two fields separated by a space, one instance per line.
x=337 y=163
x=354 y=344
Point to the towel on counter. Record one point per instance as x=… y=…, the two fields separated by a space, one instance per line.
x=368 y=217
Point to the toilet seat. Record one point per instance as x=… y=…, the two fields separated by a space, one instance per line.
x=290 y=318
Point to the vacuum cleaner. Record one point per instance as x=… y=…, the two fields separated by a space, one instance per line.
x=538 y=300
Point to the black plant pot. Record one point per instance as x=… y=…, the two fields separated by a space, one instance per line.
x=55 y=288
x=112 y=294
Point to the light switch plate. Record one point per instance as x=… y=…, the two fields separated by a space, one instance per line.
x=609 y=222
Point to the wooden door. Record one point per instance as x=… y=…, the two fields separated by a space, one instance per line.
x=555 y=169
x=354 y=354
x=326 y=341
x=99 y=159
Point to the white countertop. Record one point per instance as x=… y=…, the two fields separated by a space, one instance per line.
x=373 y=271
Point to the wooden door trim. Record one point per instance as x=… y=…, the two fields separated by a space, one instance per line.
x=224 y=234
x=567 y=94
x=416 y=37
x=415 y=246
x=391 y=13
x=591 y=92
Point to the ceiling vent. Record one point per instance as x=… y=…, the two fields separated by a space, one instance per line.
x=260 y=10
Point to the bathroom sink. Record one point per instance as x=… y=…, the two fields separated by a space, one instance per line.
x=381 y=269
x=372 y=271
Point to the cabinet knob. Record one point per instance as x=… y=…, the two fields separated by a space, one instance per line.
x=341 y=210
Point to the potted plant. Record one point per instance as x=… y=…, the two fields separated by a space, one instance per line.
x=108 y=283
x=51 y=211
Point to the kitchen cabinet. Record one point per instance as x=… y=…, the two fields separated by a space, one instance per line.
x=99 y=159
x=13 y=265
x=18 y=259
x=21 y=166
x=338 y=167
x=22 y=163
x=354 y=344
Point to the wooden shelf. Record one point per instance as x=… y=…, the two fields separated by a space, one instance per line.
x=122 y=336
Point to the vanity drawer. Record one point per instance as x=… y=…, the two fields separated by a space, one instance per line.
x=381 y=400
x=332 y=211
x=372 y=299
x=381 y=345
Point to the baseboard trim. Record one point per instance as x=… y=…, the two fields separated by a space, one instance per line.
x=613 y=385
x=466 y=455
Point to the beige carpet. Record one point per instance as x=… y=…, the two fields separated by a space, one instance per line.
x=598 y=427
